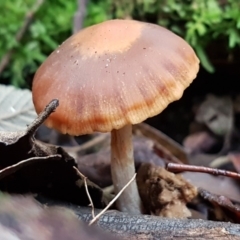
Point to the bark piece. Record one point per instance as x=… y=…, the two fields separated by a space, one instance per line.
x=163 y=193
x=144 y=227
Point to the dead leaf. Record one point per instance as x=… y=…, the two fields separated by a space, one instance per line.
x=224 y=209
x=199 y=142
x=16 y=108
x=16 y=146
x=32 y=166
x=217 y=114
x=165 y=146
x=219 y=185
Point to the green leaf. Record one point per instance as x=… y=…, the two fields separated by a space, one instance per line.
x=204 y=59
x=234 y=38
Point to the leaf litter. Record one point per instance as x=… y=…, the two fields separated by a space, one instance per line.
x=31 y=166
x=16 y=109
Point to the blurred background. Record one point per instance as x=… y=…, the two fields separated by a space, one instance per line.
x=31 y=29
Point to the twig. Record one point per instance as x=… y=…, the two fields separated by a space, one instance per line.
x=50 y=108
x=89 y=144
x=86 y=188
x=111 y=203
x=174 y=167
x=79 y=15
x=13 y=168
x=28 y=19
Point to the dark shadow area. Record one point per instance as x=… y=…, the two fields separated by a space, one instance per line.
x=176 y=118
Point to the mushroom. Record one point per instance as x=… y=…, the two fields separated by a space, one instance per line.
x=110 y=76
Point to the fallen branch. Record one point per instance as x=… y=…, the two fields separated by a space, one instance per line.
x=146 y=227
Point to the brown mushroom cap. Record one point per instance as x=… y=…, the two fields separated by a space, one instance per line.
x=112 y=74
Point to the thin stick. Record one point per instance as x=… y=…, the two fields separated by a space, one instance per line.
x=79 y=15
x=13 y=168
x=114 y=199
x=174 y=167
x=89 y=144
x=50 y=108
x=28 y=19
x=86 y=188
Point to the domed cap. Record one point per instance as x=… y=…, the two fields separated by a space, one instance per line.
x=112 y=74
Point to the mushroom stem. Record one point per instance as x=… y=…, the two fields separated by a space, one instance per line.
x=123 y=168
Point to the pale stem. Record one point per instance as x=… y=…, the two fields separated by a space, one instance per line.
x=123 y=169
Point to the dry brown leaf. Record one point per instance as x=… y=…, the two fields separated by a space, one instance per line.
x=217 y=114
x=219 y=185
x=166 y=147
x=224 y=209
x=199 y=142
